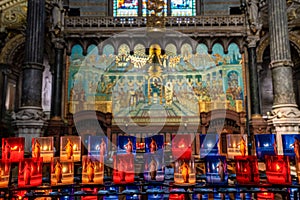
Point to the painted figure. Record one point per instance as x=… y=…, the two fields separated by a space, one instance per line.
x=220 y=168
x=296 y=146
x=58 y=171
x=185 y=172
x=129 y=146
x=69 y=148
x=102 y=148
x=91 y=170
x=27 y=173
x=243 y=146
x=153 y=146
x=121 y=170
x=7 y=151
x=37 y=149
x=153 y=168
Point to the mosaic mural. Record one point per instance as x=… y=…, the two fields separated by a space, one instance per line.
x=130 y=83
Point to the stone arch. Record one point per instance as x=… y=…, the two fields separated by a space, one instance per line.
x=263 y=44
x=12 y=49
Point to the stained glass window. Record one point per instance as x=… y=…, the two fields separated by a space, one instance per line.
x=183 y=7
x=123 y=8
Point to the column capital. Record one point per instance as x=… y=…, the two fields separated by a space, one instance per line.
x=58 y=42
x=284 y=112
x=252 y=41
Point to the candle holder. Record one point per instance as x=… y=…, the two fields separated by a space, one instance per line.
x=185 y=172
x=209 y=145
x=278 y=170
x=246 y=170
x=181 y=147
x=265 y=145
x=154 y=169
x=30 y=172
x=4 y=173
x=126 y=145
x=216 y=170
x=43 y=147
x=70 y=148
x=97 y=147
x=154 y=192
x=176 y=196
x=62 y=172
x=264 y=195
x=13 y=149
x=113 y=190
x=92 y=170
x=123 y=169
x=236 y=145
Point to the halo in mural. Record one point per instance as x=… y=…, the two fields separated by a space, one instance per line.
x=160 y=81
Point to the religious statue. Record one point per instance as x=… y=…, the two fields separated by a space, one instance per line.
x=253 y=14
x=169 y=94
x=58 y=16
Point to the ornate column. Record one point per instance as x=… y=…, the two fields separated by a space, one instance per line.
x=56 y=104
x=285 y=116
x=30 y=120
x=56 y=124
x=253 y=77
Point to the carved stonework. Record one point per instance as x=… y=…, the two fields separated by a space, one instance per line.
x=253 y=14
x=284 y=113
x=14 y=16
x=30 y=114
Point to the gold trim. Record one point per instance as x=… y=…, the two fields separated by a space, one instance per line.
x=56 y=118
x=256 y=116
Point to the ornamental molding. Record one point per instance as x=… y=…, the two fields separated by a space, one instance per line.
x=227 y=25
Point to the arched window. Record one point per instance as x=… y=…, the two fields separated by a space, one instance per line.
x=126 y=8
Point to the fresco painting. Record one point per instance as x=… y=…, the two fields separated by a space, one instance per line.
x=130 y=83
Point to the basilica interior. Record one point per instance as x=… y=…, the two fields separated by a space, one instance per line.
x=222 y=76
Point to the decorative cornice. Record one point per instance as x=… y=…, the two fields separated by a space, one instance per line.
x=227 y=25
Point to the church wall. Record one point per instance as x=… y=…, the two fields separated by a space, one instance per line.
x=219 y=7
x=90 y=8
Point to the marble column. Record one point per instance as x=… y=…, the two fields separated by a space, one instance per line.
x=56 y=104
x=285 y=116
x=253 y=77
x=30 y=119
